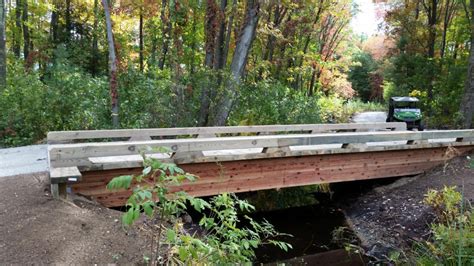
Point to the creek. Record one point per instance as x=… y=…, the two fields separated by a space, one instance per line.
x=319 y=231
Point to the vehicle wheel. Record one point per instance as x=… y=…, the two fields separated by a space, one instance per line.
x=421 y=127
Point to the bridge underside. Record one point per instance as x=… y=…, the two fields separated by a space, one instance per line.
x=271 y=173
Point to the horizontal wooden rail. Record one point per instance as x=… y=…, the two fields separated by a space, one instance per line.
x=62 y=155
x=56 y=137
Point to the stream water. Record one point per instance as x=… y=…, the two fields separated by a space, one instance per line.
x=311 y=228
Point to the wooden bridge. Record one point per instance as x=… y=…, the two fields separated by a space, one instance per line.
x=249 y=158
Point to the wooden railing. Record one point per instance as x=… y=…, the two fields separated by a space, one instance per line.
x=56 y=137
x=63 y=155
x=66 y=161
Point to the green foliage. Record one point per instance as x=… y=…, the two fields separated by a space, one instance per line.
x=445 y=202
x=359 y=74
x=270 y=102
x=66 y=99
x=439 y=73
x=452 y=241
x=226 y=239
x=337 y=110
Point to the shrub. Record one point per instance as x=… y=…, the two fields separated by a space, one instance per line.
x=452 y=240
x=66 y=99
x=267 y=103
x=225 y=240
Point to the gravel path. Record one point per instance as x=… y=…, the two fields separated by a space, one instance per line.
x=23 y=160
x=367 y=117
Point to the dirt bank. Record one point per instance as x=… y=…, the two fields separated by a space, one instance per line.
x=390 y=217
x=35 y=229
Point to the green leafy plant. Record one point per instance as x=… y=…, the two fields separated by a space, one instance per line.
x=452 y=241
x=445 y=202
x=222 y=238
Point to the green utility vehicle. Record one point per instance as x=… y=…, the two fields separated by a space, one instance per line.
x=405 y=109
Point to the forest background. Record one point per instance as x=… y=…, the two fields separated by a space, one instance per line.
x=95 y=64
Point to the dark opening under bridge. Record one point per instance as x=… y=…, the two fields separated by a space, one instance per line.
x=248 y=158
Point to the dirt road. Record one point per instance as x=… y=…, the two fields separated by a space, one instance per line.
x=36 y=229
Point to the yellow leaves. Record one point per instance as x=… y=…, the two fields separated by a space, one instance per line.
x=418 y=93
x=270 y=29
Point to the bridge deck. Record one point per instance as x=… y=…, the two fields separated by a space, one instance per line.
x=247 y=163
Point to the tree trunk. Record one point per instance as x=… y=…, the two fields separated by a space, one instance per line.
x=95 y=46
x=26 y=31
x=209 y=59
x=239 y=60
x=68 y=21
x=230 y=24
x=467 y=104
x=446 y=22
x=54 y=23
x=166 y=30
x=112 y=66
x=140 y=26
x=220 y=41
x=3 y=52
x=194 y=41
x=211 y=31
x=154 y=44
x=432 y=15
x=178 y=54
x=17 y=31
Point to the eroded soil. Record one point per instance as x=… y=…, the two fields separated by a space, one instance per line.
x=35 y=229
x=389 y=218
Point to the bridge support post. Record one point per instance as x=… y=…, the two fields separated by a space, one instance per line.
x=59 y=190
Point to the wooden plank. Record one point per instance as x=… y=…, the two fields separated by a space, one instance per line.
x=117 y=162
x=64 y=174
x=342 y=164
x=134 y=134
x=213 y=186
x=61 y=153
x=251 y=175
x=237 y=169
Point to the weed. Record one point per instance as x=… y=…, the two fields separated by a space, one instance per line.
x=223 y=240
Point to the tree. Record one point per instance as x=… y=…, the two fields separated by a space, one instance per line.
x=95 y=45
x=17 y=30
x=26 y=31
x=239 y=60
x=3 y=52
x=360 y=74
x=467 y=104
x=112 y=66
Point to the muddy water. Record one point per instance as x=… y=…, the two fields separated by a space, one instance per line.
x=310 y=226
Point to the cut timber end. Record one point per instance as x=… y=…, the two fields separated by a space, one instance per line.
x=64 y=174
x=60 y=177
